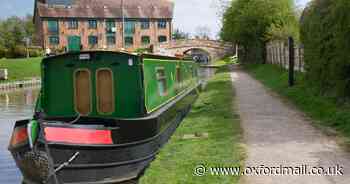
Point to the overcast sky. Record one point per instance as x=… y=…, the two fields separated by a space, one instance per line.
x=189 y=14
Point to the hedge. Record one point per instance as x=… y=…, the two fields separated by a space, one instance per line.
x=20 y=52
x=325 y=36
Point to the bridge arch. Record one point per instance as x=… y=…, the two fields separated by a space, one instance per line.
x=216 y=49
x=199 y=54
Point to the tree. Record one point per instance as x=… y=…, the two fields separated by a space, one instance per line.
x=221 y=7
x=179 y=35
x=203 y=32
x=251 y=23
x=29 y=27
x=325 y=37
x=13 y=32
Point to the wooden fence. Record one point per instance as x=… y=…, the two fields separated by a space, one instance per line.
x=277 y=52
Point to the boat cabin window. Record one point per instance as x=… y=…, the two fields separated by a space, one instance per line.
x=82 y=91
x=161 y=78
x=104 y=91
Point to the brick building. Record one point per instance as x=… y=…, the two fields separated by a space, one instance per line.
x=98 y=24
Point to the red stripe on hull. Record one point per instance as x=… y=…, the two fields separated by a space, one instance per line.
x=78 y=136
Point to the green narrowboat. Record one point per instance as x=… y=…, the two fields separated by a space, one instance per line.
x=102 y=116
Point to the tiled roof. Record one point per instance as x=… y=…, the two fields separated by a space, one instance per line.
x=108 y=9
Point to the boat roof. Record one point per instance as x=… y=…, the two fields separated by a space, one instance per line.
x=81 y=53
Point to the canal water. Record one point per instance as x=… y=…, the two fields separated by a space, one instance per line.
x=18 y=105
x=205 y=74
x=14 y=105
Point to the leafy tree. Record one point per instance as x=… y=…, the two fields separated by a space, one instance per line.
x=29 y=27
x=325 y=36
x=251 y=23
x=13 y=31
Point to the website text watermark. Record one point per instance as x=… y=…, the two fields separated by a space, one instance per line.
x=262 y=170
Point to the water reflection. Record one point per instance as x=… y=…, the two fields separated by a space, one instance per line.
x=14 y=105
x=205 y=74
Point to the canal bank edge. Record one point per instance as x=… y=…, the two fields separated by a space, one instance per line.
x=35 y=82
x=210 y=135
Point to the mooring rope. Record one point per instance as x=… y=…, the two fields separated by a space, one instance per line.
x=71 y=159
x=68 y=162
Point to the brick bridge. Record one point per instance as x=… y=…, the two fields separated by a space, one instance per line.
x=213 y=49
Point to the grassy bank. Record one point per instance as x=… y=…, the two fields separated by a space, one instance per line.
x=213 y=113
x=20 y=69
x=224 y=62
x=327 y=113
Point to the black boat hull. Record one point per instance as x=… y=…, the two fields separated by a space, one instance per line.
x=101 y=164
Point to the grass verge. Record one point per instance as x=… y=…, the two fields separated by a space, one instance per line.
x=21 y=69
x=327 y=113
x=224 y=62
x=212 y=113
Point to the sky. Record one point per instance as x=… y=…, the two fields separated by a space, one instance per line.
x=188 y=15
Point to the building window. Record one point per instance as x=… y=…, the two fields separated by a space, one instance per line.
x=129 y=41
x=52 y=26
x=93 y=40
x=73 y=24
x=161 y=78
x=162 y=24
x=145 y=40
x=92 y=24
x=110 y=26
x=145 y=24
x=104 y=91
x=162 y=39
x=82 y=91
x=54 y=40
x=129 y=28
x=110 y=40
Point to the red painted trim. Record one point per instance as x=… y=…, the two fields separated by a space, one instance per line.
x=78 y=136
x=20 y=135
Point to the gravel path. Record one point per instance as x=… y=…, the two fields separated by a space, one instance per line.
x=277 y=134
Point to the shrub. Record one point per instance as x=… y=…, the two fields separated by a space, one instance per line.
x=325 y=35
x=19 y=52
x=143 y=50
x=36 y=52
x=2 y=52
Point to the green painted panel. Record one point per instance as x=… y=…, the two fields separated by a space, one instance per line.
x=58 y=86
x=132 y=91
x=153 y=97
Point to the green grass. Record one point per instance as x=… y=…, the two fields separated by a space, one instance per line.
x=20 y=69
x=327 y=113
x=225 y=61
x=213 y=113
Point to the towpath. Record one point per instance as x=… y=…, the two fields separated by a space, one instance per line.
x=276 y=134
